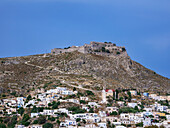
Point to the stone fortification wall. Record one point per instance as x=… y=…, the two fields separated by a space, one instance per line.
x=98 y=48
x=71 y=49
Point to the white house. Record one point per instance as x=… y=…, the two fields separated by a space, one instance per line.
x=67 y=92
x=35 y=126
x=162 y=108
x=92 y=104
x=111 y=109
x=61 y=110
x=70 y=122
x=102 y=125
x=168 y=117
x=48 y=112
x=124 y=118
x=20 y=101
x=85 y=108
x=132 y=105
x=31 y=102
x=74 y=101
x=19 y=126
x=87 y=116
x=148 y=109
x=147 y=122
x=116 y=123
x=133 y=92
x=120 y=126
x=84 y=98
x=34 y=114
x=102 y=113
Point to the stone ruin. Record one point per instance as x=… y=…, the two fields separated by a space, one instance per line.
x=97 y=48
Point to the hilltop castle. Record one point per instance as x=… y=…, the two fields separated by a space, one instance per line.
x=98 y=48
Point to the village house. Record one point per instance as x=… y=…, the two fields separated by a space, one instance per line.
x=111 y=109
x=84 y=98
x=111 y=118
x=162 y=108
x=147 y=122
x=146 y=94
x=31 y=102
x=148 y=109
x=92 y=104
x=67 y=92
x=116 y=123
x=120 y=103
x=102 y=113
x=20 y=101
x=102 y=125
x=47 y=112
x=133 y=92
x=132 y=105
x=90 y=117
x=19 y=126
x=109 y=92
x=85 y=107
x=68 y=122
x=34 y=115
x=128 y=118
x=62 y=110
x=35 y=126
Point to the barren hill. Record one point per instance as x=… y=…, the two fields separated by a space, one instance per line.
x=21 y=75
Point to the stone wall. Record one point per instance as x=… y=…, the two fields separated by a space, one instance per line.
x=98 y=48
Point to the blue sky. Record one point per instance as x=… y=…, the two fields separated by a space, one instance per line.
x=36 y=26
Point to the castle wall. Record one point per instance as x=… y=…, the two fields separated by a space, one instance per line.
x=110 y=49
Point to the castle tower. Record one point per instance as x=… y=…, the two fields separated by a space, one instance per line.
x=104 y=96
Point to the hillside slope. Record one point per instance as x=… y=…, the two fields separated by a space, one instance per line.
x=23 y=74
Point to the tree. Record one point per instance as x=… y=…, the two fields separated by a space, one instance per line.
x=55 y=105
x=49 y=104
x=121 y=98
x=118 y=53
x=117 y=93
x=113 y=113
x=123 y=49
x=35 y=122
x=130 y=97
x=89 y=92
x=28 y=97
x=84 y=121
x=82 y=102
x=103 y=49
x=127 y=110
x=74 y=89
x=34 y=109
x=52 y=119
x=78 y=119
x=21 y=111
x=25 y=118
x=136 y=108
x=91 y=110
x=58 y=122
x=76 y=110
x=2 y=125
x=161 y=126
x=139 y=124
x=12 y=122
x=41 y=119
x=113 y=126
x=48 y=125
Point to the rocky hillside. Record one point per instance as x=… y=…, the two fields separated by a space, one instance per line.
x=20 y=75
